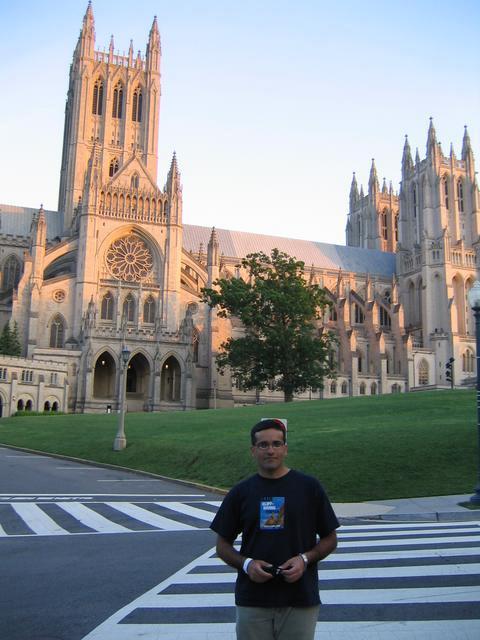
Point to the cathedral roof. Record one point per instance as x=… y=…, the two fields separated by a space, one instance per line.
x=16 y=221
x=237 y=244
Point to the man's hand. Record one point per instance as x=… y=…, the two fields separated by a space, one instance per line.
x=256 y=571
x=293 y=569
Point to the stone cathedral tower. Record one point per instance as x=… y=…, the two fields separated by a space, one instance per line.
x=113 y=105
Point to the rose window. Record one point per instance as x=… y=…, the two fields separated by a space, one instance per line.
x=129 y=259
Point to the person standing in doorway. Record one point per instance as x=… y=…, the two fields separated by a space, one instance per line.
x=287 y=525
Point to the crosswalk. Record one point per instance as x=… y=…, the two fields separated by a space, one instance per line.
x=110 y=516
x=399 y=581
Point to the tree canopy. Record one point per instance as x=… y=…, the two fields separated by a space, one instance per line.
x=282 y=344
x=9 y=341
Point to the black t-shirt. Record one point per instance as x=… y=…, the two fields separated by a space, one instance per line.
x=278 y=519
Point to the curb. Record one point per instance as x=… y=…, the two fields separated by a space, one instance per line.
x=115 y=467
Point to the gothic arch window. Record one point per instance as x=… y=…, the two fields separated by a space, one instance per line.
x=373 y=389
x=134 y=182
x=149 y=308
x=446 y=200
x=423 y=372
x=468 y=361
x=461 y=206
x=344 y=387
x=358 y=314
x=57 y=332
x=11 y=273
x=129 y=308
x=107 y=308
x=333 y=388
x=395 y=225
x=97 y=104
x=137 y=105
x=117 y=105
x=415 y=201
x=385 y=224
x=361 y=361
x=113 y=168
x=384 y=317
x=362 y=388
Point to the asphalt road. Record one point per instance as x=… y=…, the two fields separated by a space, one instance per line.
x=62 y=571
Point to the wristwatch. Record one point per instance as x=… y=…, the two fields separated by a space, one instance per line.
x=304 y=558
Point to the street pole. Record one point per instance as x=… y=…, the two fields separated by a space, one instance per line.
x=474 y=300
x=120 y=441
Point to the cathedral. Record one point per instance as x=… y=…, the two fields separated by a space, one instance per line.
x=110 y=284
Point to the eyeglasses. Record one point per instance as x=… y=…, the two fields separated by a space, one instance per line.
x=276 y=444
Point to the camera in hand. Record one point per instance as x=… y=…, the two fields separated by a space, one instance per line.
x=274 y=570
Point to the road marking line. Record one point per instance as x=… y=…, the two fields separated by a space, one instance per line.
x=92 y=519
x=188 y=510
x=37 y=520
x=144 y=515
x=410 y=541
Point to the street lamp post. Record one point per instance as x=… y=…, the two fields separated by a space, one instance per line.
x=120 y=441
x=474 y=301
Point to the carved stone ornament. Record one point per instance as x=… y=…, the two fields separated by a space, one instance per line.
x=129 y=259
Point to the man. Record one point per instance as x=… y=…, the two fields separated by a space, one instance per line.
x=279 y=512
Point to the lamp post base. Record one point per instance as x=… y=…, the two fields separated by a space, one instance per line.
x=119 y=443
x=475 y=499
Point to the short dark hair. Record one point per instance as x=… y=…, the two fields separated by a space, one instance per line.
x=270 y=423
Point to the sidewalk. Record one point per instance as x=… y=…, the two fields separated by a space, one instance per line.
x=441 y=509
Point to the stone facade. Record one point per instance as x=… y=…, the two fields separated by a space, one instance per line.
x=117 y=268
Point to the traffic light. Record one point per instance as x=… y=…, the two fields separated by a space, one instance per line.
x=449 y=371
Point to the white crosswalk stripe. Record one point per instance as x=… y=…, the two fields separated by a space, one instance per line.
x=74 y=518
x=403 y=581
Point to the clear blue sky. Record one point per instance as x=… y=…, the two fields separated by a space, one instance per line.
x=270 y=105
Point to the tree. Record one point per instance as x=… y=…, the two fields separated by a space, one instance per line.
x=9 y=341
x=282 y=344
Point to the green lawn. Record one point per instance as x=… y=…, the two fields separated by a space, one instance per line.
x=394 y=446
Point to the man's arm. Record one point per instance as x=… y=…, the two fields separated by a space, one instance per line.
x=294 y=568
x=227 y=552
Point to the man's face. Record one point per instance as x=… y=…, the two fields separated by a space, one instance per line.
x=269 y=452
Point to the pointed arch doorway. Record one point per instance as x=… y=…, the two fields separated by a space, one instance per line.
x=138 y=383
x=171 y=381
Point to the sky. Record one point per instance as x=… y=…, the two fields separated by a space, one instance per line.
x=270 y=105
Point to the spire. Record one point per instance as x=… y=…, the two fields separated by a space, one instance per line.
x=362 y=194
x=212 y=250
x=353 y=191
x=431 y=139
x=407 y=163
x=173 y=178
x=452 y=151
x=384 y=186
x=373 y=184
x=153 y=48
x=466 y=145
x=417 y=156
x=86 y=41
x=130 y=54
x=111 y=49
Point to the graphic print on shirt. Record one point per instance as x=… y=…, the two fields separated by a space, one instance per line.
x=272 y=513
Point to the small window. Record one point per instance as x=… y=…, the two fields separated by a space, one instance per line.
x=11 y=273
x=385 y=224
x=57 y=332
x=446 y=200
x=195 y=345
x=129 y=308
x=362 y=389
x=117 y=102
x=97 y=105
x=149 y=310
x=134 y=181
x=106 y=312
x=137 y=106
x=395 y=223
x=113 y=168
x=333 y=388
x=344 y=387
x=359 y=315
x=460 y=196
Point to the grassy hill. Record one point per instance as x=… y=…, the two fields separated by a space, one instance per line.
x=367 y=448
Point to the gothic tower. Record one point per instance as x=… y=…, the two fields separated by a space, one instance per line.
x=373 y=218
x=113 y=103
x=438 y=252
